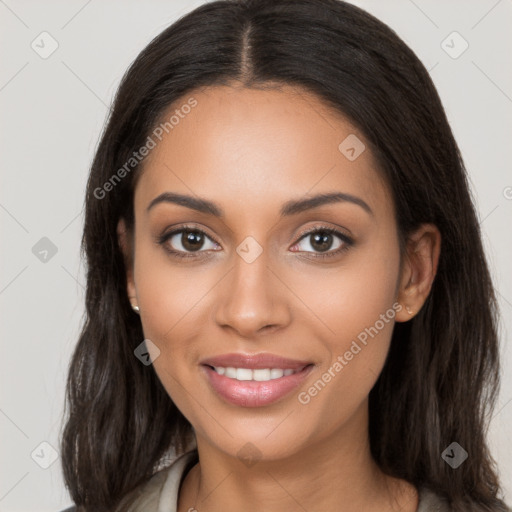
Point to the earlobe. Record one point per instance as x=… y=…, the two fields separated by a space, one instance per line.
x=419 y=270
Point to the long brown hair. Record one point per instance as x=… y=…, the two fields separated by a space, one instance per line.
x=440 y=380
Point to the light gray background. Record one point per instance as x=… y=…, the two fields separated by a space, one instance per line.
x=52 y=111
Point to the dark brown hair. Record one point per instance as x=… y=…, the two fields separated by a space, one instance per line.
x=440 y=380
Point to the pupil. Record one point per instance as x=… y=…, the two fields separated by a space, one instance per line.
x=322 y=241
x=191 y=240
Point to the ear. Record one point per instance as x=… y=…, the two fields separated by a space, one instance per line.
x=419 y=269
x=125 y=242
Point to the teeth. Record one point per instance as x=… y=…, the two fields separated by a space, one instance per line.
x=275 y=373
x=230 y=372
x=257 y=375
x=243 y=374
x=261 y=374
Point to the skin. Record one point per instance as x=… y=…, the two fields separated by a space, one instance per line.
x=251 y=151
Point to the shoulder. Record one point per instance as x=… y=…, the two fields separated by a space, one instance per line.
x=431 y=502
x=160 y=492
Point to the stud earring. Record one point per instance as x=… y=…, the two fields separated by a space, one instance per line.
x=136 y=308
x=409 y=310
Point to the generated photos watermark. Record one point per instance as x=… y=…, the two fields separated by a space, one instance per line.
x=341 y=361
x=145 y=149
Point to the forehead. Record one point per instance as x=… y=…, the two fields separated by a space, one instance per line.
x=247 y=147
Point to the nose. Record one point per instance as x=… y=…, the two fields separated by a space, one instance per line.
x=252 y=300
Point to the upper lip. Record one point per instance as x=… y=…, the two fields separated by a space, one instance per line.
x=255 y=361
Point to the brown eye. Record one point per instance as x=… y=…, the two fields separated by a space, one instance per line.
x=322 y=240
x=187 y=241
x=192 y=240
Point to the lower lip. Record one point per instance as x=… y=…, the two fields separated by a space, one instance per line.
x=250 y=393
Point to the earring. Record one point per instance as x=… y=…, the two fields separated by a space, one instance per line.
x=135 y=308
x=409 y=310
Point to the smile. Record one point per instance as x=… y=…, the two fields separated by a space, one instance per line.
x=246 y=387
x=260 y=375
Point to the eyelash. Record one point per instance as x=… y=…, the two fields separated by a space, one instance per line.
x=347 y=241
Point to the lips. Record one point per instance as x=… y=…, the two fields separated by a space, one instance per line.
x=254 y=361
x=253 y=393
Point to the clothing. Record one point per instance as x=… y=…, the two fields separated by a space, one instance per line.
x=160 y=493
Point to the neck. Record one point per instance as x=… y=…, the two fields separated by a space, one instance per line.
x=337 y=473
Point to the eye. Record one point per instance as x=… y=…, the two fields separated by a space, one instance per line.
x=186 y=241
x=324 y=242
x=192 y=242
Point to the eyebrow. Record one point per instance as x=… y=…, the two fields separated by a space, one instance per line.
x=289 y=208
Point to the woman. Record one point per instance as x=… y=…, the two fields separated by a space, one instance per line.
x=286 y=283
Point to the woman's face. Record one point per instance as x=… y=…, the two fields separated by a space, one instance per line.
x=250 y=281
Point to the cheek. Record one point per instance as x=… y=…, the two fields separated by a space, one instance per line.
x=166 y=308
x=353 y=296
x=173 y=315
x=169 y=296
x=167 y=314
x=358 y=305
